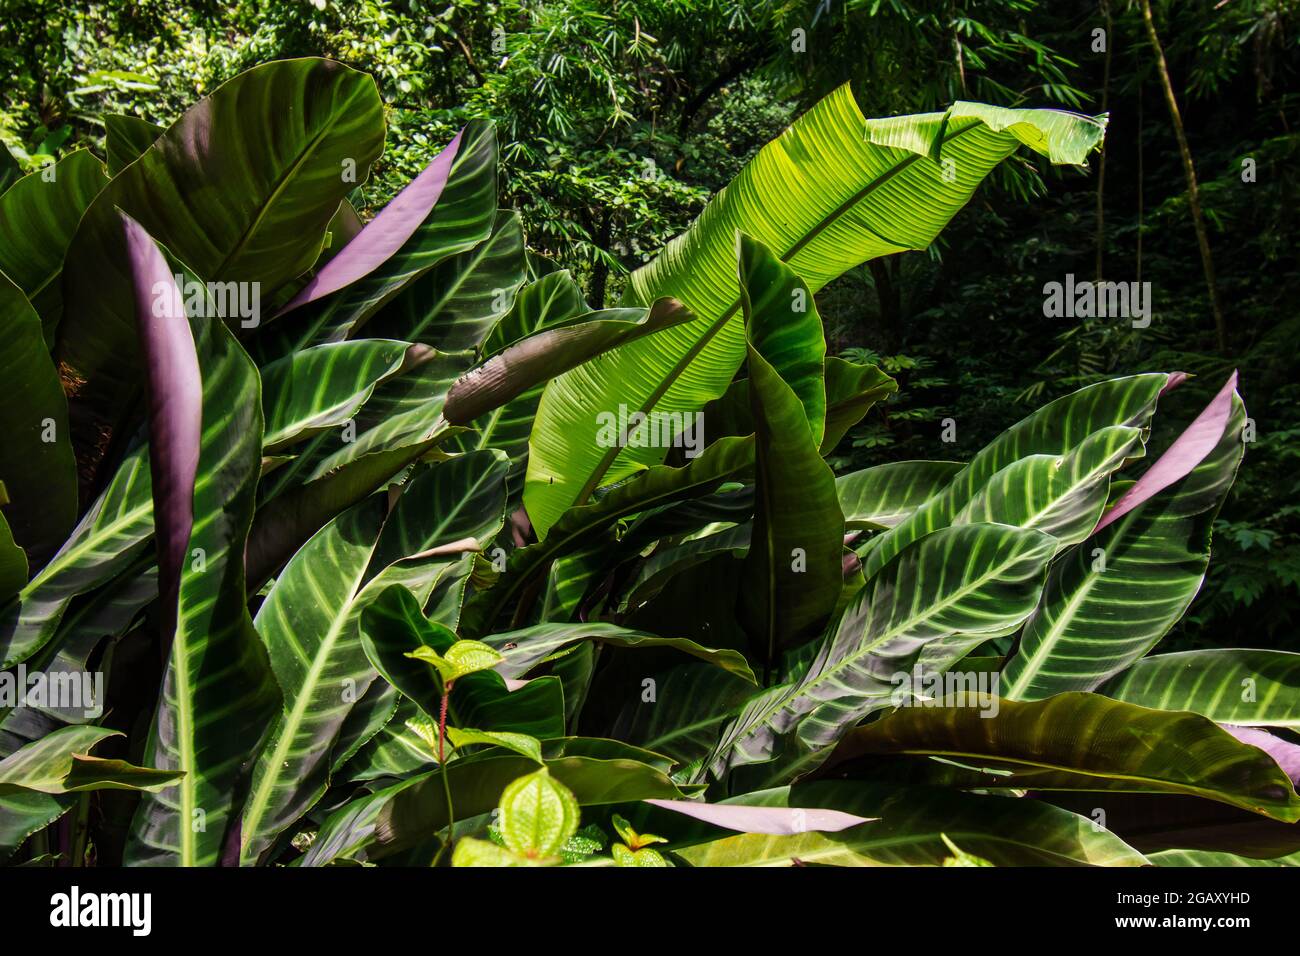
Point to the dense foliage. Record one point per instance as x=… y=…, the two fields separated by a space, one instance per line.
x=396 y=544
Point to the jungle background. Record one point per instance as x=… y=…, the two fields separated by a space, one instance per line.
x=619 y=119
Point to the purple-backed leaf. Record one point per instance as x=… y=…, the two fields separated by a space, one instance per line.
x=1188 y=450
x=777 y=821
x=1284 y=752
x=175 y=390
x=385 y=234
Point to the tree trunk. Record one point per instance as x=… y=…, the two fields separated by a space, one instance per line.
x=1189 y=170
x=1101 y=162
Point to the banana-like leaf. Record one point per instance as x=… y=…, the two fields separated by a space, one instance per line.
x=218 y=693
x=1111 y=598
x=108 y=539
x=981 y=579
x=448 y=209
x=24 y=812
x=1079 y=741
x=126 y=138
x=311 y=625
x=37 y=470
x=910 y=831
x=792 y=575
x=38 y=217
x=1061 y=495
x=10 y=171
x=657 y=486
x=1229 y=685
x=456 y=304
x=1055 y=429
x=851 y=391
x=783 y=327
x=61 y=763
x=832 y=192
x=233 y=207
x=323 y=386
x=525 y=649
x=882 y=496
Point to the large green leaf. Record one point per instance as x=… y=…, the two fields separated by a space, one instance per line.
x=1079 y=741
x=38 y=216
x=311 y=624
x=525 y=649
x=833 y=191
x=394 y=627
x=418 y=811
x=125 y=138
x=217 y=693
x=61 y=763
x=657 y=486
x=234 y=203
x=792 y=573
x=456 y=304
x=37 y=470
x=980 y=579
x=682 y=711
x=1229 y=685
x=880 y=497
x=1056 y=429
x=457 y=193
x=911 y=829
x=1111 y=598
x=319 y=387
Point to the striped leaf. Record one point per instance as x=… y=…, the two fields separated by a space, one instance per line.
x=310 y=623
x=320 y=387
x=832 y=192
x=217 y=693
x=910 y=831
x=231 y=203
x=61 y=763
x=448 y=209
x=527 y=648
x=657 y=486
x=1055 y=430
x=1078 y=741
x=456 y=304
x=967 y=580
x=1229 y=685
x=882 y=496
x=1111 y=598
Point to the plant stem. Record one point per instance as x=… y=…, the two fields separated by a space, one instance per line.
x=442 y=771
x=80 y=831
